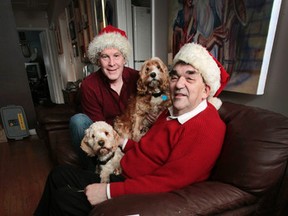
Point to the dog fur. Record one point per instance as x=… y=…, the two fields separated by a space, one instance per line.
x=102 y=140
x=152 y=97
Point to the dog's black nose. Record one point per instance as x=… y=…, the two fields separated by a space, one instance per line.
x=101 y=143
x=153 y=75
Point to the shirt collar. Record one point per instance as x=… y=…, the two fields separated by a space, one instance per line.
x=187 y=116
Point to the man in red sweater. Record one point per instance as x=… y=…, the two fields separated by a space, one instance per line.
x=180 y=149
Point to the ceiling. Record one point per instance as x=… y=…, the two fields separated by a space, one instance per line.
x=30 y=4
x=43 y=4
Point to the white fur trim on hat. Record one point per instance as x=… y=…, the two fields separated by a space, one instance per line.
x=215 y=101
x=108 y=40
x=198 y=57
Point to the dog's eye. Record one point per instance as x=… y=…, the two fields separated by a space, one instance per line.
x=93 y=136
x=147 y=69
x=106 y=133
x=158 y=66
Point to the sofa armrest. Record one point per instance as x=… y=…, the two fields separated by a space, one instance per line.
x=205 y=198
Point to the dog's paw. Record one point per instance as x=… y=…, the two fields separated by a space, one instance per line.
x=117 y=171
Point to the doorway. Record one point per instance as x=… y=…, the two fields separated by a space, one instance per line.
x=34 y=66
x=39 y=50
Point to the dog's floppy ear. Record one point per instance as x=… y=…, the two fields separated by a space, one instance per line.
x=141 y=87
x=163 y=66
x=116 y=139
x=86 y=147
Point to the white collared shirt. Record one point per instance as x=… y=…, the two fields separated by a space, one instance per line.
x=187 y=116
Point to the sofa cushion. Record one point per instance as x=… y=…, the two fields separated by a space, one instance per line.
x=205 y=198
x=55 y=113
x=255 y=149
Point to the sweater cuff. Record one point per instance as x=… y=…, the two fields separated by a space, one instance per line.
x=108 y=193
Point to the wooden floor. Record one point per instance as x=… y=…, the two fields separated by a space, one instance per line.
x=24 y=166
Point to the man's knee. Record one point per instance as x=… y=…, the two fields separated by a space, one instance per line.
x=79 y=119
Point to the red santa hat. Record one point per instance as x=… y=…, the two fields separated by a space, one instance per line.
x=109 y=37
x=211 y=70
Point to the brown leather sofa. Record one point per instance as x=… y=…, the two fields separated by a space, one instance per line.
x=249 y=178
x=53 y=128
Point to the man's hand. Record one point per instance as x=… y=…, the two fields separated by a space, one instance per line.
x=96 y=193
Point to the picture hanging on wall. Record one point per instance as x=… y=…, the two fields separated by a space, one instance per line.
x=239 y=33
x=72 y=30
x=58 y=38
x=71 y=10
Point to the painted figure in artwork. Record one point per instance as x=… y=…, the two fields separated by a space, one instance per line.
x=211 y=23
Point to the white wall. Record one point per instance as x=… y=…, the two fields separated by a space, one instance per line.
x=159 y=29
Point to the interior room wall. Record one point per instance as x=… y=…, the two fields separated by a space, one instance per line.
x=13 y=78
x=55 y=9
x=159 y=34
x=274 y=97
x=31 y=19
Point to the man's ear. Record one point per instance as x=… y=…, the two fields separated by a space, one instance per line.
x=206 y=91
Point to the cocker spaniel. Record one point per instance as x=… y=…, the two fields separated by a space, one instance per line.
x=152 y=97
x=102 y=140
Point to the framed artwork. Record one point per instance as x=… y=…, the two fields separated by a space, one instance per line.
x=239 y=33
x=71 y=10
x=58 y=38
x=72 y=30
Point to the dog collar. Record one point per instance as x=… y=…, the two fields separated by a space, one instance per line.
x=157 y=94
x=106 y=161
x=163 y=96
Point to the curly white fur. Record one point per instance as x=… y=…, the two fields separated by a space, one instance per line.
x=102 y=140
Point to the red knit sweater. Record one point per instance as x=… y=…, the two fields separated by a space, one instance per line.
x=171 y=156
x=100 y=102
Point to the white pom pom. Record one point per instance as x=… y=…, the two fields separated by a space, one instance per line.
x=216 y=102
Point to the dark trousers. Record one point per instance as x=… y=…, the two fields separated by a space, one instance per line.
x=61 y=196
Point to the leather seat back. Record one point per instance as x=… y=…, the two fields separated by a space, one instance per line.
x=255 y=151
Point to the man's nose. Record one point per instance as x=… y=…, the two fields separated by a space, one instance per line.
x=111 y=61
x=180 y=82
